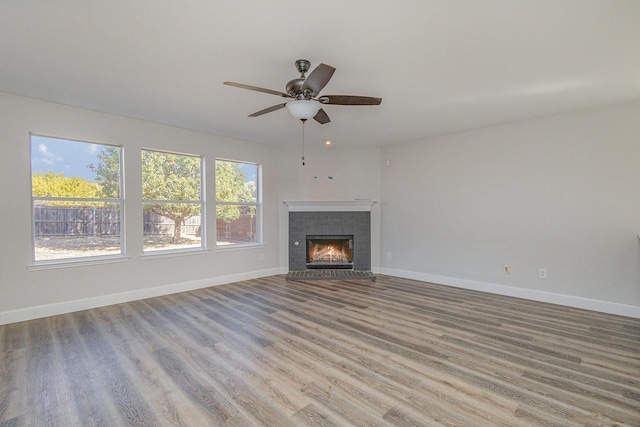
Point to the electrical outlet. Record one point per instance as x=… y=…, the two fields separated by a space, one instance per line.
x=388 y=255
x=261 y=257
x=542 y=273
x=507 y=269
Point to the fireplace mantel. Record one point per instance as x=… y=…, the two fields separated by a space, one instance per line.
x=358 y=205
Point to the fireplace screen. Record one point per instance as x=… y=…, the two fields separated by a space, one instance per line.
x=329 y=252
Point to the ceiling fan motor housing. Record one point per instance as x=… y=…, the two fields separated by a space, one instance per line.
x=294 y=88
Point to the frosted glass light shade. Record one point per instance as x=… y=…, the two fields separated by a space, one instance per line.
x=303 y=109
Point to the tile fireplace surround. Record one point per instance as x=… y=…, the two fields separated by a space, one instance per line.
x=330 y=218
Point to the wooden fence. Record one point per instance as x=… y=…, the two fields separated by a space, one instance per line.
x=241 y=230
x=52 y=221
x=75 y=221
x=94 y=221
x=159 y=225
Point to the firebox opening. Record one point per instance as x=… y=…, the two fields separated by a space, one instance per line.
x=330 y=252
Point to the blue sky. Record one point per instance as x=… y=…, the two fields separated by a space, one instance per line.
x=72 y=157
x=249 y=170
x=62 y=156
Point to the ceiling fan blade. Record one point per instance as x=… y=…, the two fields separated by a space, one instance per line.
x=349 y=100
x=318 y=78
x=258 y=89
x=321 y=117
x=268 y=110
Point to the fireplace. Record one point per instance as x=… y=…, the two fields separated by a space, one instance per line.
x=330 y=252
x=344 y=225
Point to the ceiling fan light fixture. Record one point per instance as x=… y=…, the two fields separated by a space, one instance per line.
x=303 y=109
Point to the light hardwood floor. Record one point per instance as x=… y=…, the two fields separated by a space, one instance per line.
x=331 y=353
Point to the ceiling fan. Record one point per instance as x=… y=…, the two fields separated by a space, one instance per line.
x=306 y=101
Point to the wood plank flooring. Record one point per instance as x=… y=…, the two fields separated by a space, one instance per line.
x=393 y=352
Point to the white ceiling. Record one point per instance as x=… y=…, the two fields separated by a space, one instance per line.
x=441 y=66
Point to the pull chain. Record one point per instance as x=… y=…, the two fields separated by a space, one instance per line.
x=303 y=122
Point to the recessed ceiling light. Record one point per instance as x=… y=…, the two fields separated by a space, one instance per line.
x=328 y=142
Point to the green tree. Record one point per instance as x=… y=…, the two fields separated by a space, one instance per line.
x=108 y=172
x=171 y=177
x=249 y=194
x=176 y=177
x=50 y=184
x=230 y=187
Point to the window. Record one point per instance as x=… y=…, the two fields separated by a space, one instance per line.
x=173 y=201
x=76 y=198
x=238 y=208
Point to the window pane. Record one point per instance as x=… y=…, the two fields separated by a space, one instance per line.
x=76 y=230
x=167 y=176
x=237 y=203
x=65 y=168
x=76 y=199
x=172 y=201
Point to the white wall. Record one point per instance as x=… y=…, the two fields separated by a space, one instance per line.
x=330 y=174
x=25 y=294
x=561 y=193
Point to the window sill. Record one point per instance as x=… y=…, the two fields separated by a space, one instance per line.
x=53 y=264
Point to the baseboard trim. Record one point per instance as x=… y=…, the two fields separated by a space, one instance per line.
x=40 y=311
x=566 y=300
x=37 y=312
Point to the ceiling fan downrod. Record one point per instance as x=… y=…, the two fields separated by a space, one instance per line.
x=303 y=122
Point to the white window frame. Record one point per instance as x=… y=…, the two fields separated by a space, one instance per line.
x=201 y=203
x=90 y=259
x=257 y=204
